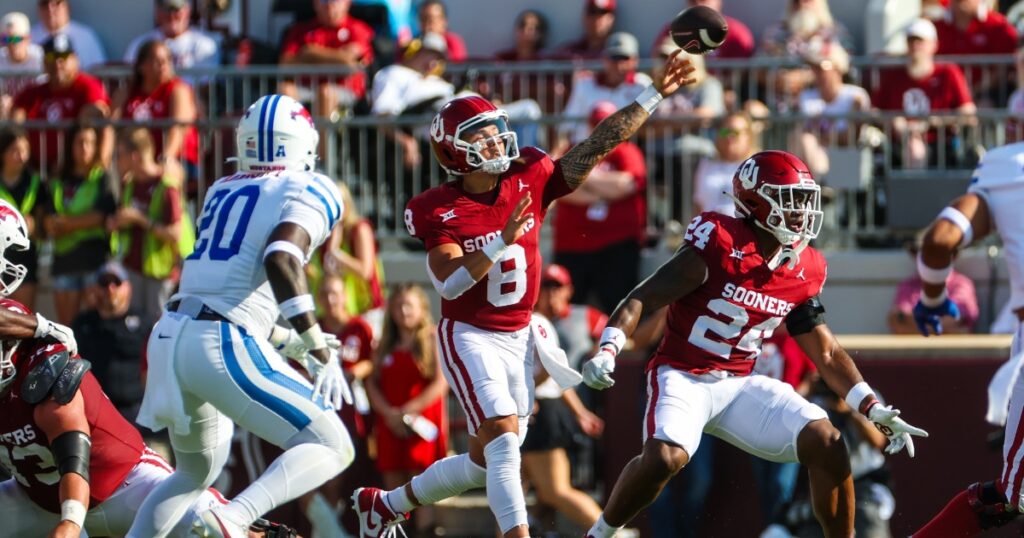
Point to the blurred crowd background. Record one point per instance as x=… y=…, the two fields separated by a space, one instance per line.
x=108 y=152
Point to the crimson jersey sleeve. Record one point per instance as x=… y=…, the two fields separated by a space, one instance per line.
x=710 y=237
x=293 y=42
x=424 y=222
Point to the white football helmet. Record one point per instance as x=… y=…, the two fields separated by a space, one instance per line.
x=276 y=133
x=13 y=234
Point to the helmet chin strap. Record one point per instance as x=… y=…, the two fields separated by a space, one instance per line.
x=789 y=252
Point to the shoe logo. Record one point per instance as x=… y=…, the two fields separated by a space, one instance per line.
x=374 y=523
x=162 y=336
x=445 y=217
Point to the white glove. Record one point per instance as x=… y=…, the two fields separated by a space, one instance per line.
x=888 y=421
x=329 y=380
x=597 y=372
x=64 y=335
x=288 y=343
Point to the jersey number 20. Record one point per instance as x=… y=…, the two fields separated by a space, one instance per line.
x=219 y=208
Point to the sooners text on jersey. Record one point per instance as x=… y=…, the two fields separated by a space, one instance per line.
x=502 y=300
x=25 y=451
x=721 y=324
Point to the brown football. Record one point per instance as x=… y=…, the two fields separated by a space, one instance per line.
x=699 y=29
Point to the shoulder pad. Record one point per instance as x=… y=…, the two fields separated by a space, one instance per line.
x=1001 y=166
x=56 y=373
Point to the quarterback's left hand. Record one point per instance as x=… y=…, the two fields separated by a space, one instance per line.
x=287 y=342
x=930 y=317
x=888 y=421
x=329 y=381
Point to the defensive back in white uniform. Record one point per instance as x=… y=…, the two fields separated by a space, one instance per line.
x=216 y=354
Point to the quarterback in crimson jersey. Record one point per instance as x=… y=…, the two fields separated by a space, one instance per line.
x=728 y=287
x=481 y=231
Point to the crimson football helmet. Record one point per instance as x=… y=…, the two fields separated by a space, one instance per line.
x=777 y=190
x=8 y=369
x=463 y=116
x=13 y=234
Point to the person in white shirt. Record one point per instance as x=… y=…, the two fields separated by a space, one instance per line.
x=619 y=82
x=712 y=182
x=55 y=18
x=21 y=61
x=189 y=46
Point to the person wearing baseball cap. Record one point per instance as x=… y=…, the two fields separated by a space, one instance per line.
x=55 y=18
x=598 y=21
x=189 y=47
x=19 y=54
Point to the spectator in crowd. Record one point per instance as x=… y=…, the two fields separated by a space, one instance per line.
x=21 y=61
x=332 y=38
x=189 y=47
x=1015 y=104
x=113 y=336
x=961 y=292
x=921 y=88
x=21 y=187
x=600 y=227
x=973 y=27
x=151 y=230
x=351 y=254
x=55 y=19
x=598 y=22
x=407 y=391
x=712 y=183
x=557 y=416
x=531 y=37
x=739 y=42
x=619 y=82
x=66 y=94
x=578 y=325
x=433 y=18
x=871 y=478
x=827 y=103
x=156 y=93
x=75 y=216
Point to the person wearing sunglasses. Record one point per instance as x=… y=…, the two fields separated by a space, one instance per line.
x=20 y=59
x=55 y=19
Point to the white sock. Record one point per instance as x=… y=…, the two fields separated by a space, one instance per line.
x=398 y=500
x=300 y=469
x=445 y=478
x=602 y=529
x=504 y=489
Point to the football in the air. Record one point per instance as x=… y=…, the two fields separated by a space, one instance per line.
x=699 y=29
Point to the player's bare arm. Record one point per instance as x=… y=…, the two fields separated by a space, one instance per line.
x=615 y=129
x=680 y=275
x=453 y=271
x=68 y=433
x=21 y=326
x=833 y=362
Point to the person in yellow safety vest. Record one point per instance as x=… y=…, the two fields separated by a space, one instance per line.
x=154 y=234
x=74 y=216
x=21 y=187
x=351 y=253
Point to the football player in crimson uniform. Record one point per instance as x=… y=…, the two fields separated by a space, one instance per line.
x=992 y=203
x=728 y=287
x=481 y=231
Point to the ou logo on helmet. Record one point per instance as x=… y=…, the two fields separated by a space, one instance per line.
x=437 y=129
x=748 y=174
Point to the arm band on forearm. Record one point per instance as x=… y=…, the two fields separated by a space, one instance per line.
x=71 y=451
x=954 y=215
x=857 y=394
x=614 y=337
x=300 y=304
x=287 y=247
x=930 y=275
x=313 y=338
x=495 y=248
x=73 y=511
x=649 y=99
x=932 y=302
x=455 y=285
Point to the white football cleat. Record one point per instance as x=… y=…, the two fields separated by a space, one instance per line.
x=375 y=518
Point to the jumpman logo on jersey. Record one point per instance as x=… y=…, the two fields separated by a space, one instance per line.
x=445 y=217
x=736 y=253
x=800 y=275
x=521 y=185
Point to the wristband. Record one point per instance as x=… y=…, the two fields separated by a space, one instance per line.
x=931 y=275
x=73 y=511
x=615 y=337
x=932 y=302
x=857 y=394
x=961 y=221
x=495 y=248
x=287 y=247
x=313 y=338
x=300 y=304
x=649 y=99
x=42 y=326
x=278 y=337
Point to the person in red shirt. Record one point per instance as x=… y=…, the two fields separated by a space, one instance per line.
x=727 y=288
x=482 y=235
x=598 y=22
x=433 y=17
x=334 y=38
x=921 y=88
x=67 y=94
x=599 y=228
x=971 y=27
x=739 y=42
x=157 y=93
x=407 y=391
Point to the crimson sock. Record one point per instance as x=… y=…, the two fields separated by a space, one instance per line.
x=956 y=519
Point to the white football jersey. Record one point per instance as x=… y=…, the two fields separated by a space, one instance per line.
x=999 y=179
x=239 y=213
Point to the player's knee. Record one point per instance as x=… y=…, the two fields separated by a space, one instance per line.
x=990 y=504
x=663 y=459
x=821 y=444
x=328 y=431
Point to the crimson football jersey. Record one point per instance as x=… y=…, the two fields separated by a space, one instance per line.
x=504 y=298
x=720 y=325
x=25 y=451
